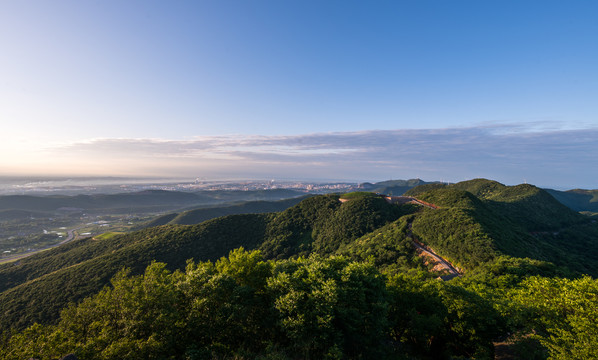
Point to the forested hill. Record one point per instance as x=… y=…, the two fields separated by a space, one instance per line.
x=352 y=257
x=68 y=273
x=481 y=219
x=196 y=216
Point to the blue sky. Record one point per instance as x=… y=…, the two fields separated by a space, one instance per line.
x=302 y=89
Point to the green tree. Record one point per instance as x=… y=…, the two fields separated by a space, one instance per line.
x=330 y=307
x=228 y=309
x=139 y=317
x=562 y=312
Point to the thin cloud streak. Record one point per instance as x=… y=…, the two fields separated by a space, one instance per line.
x=508 y=153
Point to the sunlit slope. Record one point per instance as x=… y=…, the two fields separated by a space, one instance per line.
x=322 y=224
x=532 y=207
x=481 y=219
x=390 y=248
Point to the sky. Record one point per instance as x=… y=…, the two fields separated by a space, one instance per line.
x=343 y=90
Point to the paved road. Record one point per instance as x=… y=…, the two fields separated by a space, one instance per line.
x=70 y=236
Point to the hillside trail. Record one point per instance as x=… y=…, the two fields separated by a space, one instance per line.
x=440 y=263
x=409 y=200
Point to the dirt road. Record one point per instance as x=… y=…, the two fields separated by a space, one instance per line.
x=441 y=263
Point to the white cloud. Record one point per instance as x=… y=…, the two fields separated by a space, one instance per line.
x=508 y=153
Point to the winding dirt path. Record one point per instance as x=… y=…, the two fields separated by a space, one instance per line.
x=441 y=264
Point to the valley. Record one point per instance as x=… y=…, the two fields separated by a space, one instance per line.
x=29 y=223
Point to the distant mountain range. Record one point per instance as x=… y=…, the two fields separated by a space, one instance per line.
x=393 y=187
x=196 y=216
x=23 y=206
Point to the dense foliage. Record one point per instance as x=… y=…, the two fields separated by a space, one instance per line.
x=389 y=248
x=322 y=224
x=480 y=219
x=42 y=286
x=314 y=308
x=81 y=268
x=321 y=279
x=561 y=312
x=244 y=307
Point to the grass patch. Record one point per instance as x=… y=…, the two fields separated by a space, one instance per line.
x=358 y=195
x=107 y=235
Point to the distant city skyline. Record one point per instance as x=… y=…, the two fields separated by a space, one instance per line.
x=354 y=91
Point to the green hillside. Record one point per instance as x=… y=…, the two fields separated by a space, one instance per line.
x=243 y=307
x=331 y=279
x=196 y=216
x=322 y=224
x=468 y=230
x=526 y=204
x=389 y=248
x=577 y=199
x=31 y=223
x=69 y=273
x=480 y=219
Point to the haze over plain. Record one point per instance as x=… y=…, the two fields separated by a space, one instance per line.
x=310 y=90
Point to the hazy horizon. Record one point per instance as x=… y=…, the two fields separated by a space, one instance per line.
x=310 y=90
x=10 y=185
